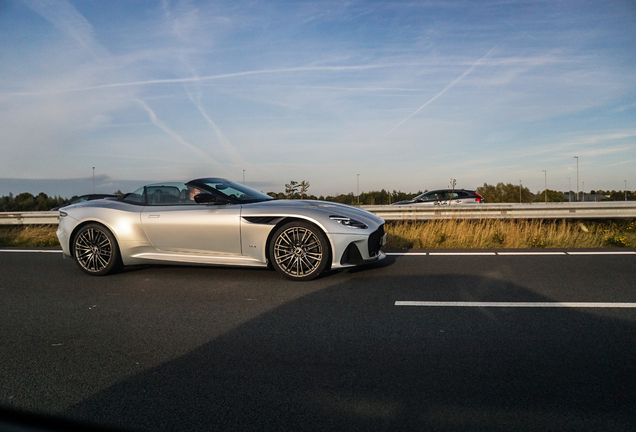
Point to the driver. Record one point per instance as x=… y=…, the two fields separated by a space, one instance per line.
x=192 y=192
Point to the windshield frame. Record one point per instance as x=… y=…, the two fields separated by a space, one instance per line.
x=250 y=195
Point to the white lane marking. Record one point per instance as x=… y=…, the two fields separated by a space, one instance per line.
x=406 y=253
x=603 y=253
x=506 y=253
x=531 y=253
x=30 y=250
x=462 y=253
x=410 y=253
x=515 y=304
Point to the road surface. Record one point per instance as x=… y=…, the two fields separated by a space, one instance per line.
x=418 y=342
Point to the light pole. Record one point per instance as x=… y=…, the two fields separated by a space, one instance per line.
x=569 y=191
x=243 y=176
x=545 y=186
x=358 y=181
x=577 y=177
x=93 y=179
x=583 y=191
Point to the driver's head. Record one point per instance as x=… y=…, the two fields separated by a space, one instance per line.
x=192 y=192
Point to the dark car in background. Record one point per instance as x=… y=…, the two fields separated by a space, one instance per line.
x=445 y=197
x=83 y=198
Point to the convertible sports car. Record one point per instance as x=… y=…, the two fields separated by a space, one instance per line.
x=216 y=221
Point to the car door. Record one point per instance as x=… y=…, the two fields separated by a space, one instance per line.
x=453 y=198
x=430 y=198
x=201 y=228
x=175 y=224
x=460 y=197
x=443 y=198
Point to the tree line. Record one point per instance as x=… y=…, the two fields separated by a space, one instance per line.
x=28 y=202
x=510 y=193
x=299 y=190
x=499 y=193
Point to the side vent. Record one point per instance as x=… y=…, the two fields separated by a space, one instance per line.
x=261 y=220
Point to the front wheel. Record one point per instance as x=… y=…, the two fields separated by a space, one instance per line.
x=299 y=251
x=95 y=250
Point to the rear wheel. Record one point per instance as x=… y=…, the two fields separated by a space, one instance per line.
x=95 y=250
x=299 y=251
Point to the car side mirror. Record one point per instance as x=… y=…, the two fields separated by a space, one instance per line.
x=208 y=198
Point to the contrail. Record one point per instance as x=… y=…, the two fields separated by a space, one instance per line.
x=229 y=148
x=63 y=15
x=214 y=77
x=448 y=87
x=173 y=134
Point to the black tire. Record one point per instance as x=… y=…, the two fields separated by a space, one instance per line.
x=95 y=250
x=299 y=251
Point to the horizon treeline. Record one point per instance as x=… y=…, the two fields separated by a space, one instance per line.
x=26 y=201
x=499 y=193
x=510 y=193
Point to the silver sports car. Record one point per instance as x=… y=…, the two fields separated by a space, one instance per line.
x=216 y=221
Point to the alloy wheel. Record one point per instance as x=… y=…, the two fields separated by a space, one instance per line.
x=298 y=251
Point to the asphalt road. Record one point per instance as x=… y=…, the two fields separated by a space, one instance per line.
x=202 y=348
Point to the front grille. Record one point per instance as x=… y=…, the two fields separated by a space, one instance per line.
x=375 y=241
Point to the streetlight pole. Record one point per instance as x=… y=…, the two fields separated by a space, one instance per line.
x=545 y=186
x=243 y=177
x=358 y=181
x=93 y=179
x=583 y=191
x=569 y=191
x=577 y=177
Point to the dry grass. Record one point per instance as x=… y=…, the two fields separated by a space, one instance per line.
x=28 y=236
x=513 y=234
x=438 y=234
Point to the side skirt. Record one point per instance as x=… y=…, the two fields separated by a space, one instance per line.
x=166 y=258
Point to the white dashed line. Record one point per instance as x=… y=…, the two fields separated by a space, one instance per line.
x=515 y=304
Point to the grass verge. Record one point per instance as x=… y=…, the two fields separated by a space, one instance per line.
x=28 y=236
x=437 y=234
x=510 y=234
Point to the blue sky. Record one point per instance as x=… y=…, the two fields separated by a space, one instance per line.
x=405 y=94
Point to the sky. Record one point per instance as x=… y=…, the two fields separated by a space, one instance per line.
x=357 y=95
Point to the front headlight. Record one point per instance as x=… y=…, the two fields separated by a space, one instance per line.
x=347 y=221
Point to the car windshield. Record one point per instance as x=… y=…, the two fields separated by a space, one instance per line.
x=232 y=190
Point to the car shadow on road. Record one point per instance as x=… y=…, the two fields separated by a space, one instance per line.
x=346 y=358
x=387 y=261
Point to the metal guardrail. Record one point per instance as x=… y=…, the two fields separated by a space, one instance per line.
x=30 y=218
x=585 y=210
